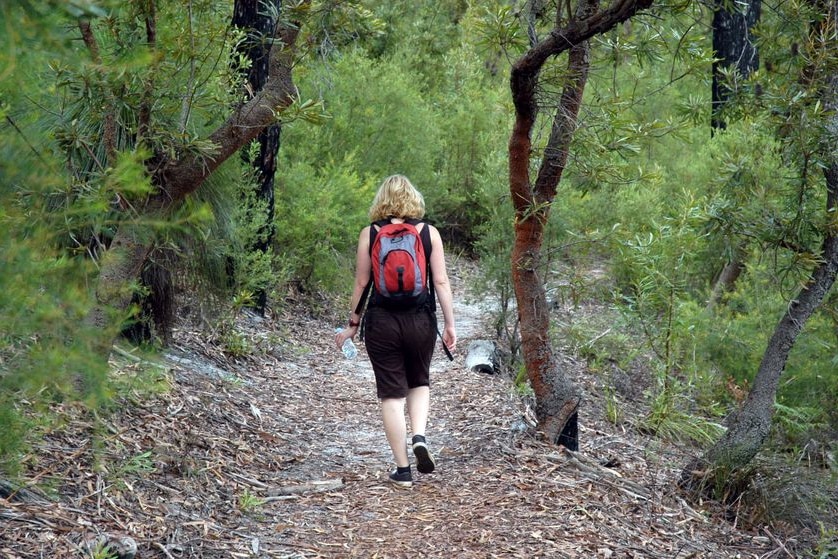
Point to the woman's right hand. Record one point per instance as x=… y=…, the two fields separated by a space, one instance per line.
x=449 y=336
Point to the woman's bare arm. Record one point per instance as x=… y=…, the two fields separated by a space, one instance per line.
x=442 y=287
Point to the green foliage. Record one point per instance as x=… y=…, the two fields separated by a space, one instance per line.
x=672 y=417
x=135 y=466
x=44 y=352
x=497 y=30
x=657 y=265
x=613 y=411
x=522 y=382
x=732 y=342
x=797 y=422
x=494 y=249
x=137 y=376
x=662 y=276
x=12 y=435
x=599 y=339
x=248 y=503
x=750 y=199
x=222 y=247
x=319 y=214
x=226 y=332
x=335 y=26
x=379 y=122
x=101 y=550
x=467 y=187
x=235 y=343
x=62 y=185
x=828 y=544
x=420 y=41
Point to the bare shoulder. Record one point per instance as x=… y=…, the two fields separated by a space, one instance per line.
x=364 y=238
x=436 y=238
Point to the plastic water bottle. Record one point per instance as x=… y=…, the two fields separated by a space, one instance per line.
x=348 y=348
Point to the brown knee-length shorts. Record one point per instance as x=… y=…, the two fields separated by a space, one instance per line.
x=400 y=346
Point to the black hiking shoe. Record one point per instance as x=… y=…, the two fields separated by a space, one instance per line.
x=424 y=461
x=402 y=480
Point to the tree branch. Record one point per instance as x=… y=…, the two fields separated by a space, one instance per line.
x=566 y=118
x=90 y=40
x=109 y=119
x=186 y=103
x=523 y=81
x=184 y=176
x=562 y=39
x=178 y=178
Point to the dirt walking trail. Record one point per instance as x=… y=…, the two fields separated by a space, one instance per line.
x=281 y=454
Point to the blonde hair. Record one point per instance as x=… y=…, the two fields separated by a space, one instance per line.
x=397 y=197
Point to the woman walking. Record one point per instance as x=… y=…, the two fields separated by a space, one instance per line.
x=400 y=338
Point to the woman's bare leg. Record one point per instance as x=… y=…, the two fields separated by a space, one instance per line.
x=418 y=404
x=392 y=412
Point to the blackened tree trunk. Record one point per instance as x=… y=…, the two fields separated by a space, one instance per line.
x=749 y=428
x=557 y=397
x=259 y=19
x=733 y=47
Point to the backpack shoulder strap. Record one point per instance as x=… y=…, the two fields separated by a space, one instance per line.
x=425 y=235
x=375 y=227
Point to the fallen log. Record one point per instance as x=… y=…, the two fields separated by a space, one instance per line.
x=318 y=486
x=481 y=357
x=20 y=494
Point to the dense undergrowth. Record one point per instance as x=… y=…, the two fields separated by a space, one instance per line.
x=651 y=208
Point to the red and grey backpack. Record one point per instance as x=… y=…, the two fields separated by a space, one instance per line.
x=400 y=257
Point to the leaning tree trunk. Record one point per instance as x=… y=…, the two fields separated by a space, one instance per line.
x=727 y=278
x=177 y=178
x=557 y=397
x=259 y=18
x=750 y=427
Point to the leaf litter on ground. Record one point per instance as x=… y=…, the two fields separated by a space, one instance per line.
x=281 y=454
